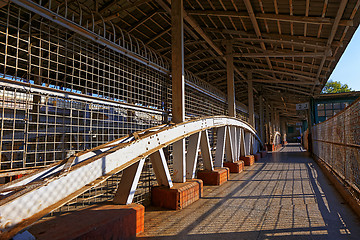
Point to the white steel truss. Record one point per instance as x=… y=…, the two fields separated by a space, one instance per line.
x=49 y=188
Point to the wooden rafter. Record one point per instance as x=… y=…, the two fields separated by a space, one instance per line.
x=274 y=17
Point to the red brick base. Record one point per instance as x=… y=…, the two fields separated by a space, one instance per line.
x=235 y=167
x=95 y=222
x=179 y=196
x=248 y=160
x=216 y=177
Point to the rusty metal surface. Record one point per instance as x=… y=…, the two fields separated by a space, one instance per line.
x=337 y=142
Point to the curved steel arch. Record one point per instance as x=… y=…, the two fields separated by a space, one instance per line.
x=276 y=138
x=47 y=189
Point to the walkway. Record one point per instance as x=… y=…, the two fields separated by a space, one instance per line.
x=283 y=196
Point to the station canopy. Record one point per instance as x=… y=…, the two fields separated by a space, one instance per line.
x=288 y=49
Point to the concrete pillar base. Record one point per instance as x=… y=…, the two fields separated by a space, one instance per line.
x=101 y=221
x=179 y=196
x=235 y=167
x=216 y=177
x=248 y=160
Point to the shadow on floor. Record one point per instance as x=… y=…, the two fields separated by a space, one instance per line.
x=267 y=188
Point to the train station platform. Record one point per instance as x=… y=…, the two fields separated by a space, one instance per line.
x=282 y=196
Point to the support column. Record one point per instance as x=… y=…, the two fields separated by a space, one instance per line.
x=230 y=80
x=178 y=86
x=250 y=100
x=278 y=121
x=273 y=121
x=261 y=113
x=283 y=130
x=268 y=131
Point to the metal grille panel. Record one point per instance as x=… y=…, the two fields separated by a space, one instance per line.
x=91 y=95
x=337 y=142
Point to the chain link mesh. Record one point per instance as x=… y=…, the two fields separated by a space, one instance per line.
x=336 y=141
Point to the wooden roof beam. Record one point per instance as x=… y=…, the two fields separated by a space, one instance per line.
x=120 y=11
x=219 y=80
x=108 y=5
x=273 y=41
x=282 y=82
x=269 y=16
x=158 y=36
x=268 y=54
x=273 y=36
x=212 y=71
x=276 y=68
x=285 y=73
x=294 y=63
x=147 y=17
x=290 y=89
x=204 y=60
x=256 y=27
x=334 y=28
x=201 y=32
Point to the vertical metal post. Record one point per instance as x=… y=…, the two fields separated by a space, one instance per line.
x=262 y=131
x=278 y=120
x=178 y=85
x=273 y=121
x=230 y=80
x=268 y=131
x=250 y=100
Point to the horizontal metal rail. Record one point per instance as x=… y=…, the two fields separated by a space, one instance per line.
x=29 y=198
x=338 y=143
x=76 y=96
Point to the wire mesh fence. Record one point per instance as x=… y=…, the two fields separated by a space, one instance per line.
x=336 y=142
x=61 y=93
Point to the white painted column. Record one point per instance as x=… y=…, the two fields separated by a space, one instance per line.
x=178 y=86
x=230 y=80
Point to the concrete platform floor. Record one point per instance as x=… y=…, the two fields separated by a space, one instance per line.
x=282 y=196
